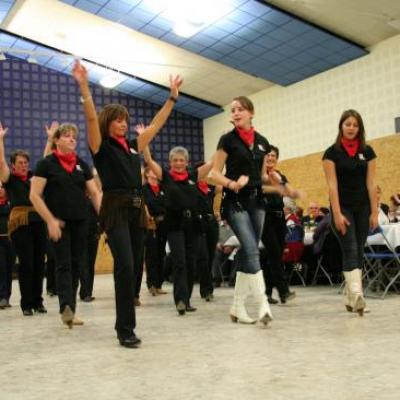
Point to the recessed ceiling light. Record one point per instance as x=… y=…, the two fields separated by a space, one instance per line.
x=111 y=80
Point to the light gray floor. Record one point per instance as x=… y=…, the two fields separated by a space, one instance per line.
x=314 y=350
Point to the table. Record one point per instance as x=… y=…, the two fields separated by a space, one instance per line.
x=392 y=234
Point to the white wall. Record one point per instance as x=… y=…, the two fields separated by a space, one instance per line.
x=302 y=118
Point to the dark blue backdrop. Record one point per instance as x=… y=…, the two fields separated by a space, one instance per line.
x=32 y=96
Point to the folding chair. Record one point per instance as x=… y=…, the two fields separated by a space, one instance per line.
x=382 y=268
x=294 y=251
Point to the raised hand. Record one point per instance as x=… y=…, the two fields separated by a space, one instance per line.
x=79 y=72
x=51 y=130
x=3 y=131
x=140 y=128
x=175 y=82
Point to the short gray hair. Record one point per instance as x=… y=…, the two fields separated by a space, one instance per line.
x=178 y=150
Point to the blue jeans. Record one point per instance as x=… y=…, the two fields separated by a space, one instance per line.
x=247 y=224
x=353 y=242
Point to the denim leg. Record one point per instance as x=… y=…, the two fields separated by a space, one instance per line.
x=361 y=219
x=247 y=226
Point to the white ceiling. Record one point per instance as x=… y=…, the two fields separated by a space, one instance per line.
x=58 y=25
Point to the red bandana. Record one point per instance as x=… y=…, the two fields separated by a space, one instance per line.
x=68 y=161
x=155 y=188
x=351 y=146
x=3 y=201
x=178 y=176
x=122 y=141
x=23 y=178
x=203 y=187
x=246 y=135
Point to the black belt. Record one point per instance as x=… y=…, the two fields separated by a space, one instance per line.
x=187 y=214
x=209 y=217
x=276 y=213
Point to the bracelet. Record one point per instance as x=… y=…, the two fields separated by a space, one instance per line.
x=172 y=98
x=85 y=99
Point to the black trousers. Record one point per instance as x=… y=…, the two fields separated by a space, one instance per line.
x=126 y=245
x=7 y=260
x=273 y=238
x=206 y=253
x=184 y=246
x=155 y=254
x=51 y=285
x=30 y=246
x=88 y=271
x=70 y=253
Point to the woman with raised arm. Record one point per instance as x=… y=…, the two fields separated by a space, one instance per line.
x=243 y=151
x=25 y=228
x=349 y=166
x=58 y=193
x=182 y=219
x=117 y=161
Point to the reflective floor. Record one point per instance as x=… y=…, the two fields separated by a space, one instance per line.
x=314 y=350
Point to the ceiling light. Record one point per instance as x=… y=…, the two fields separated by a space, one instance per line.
x=111 y=80
x=32 y=60
x=2 y=56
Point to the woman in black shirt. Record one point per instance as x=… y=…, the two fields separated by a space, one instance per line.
x=25 y=228
x=58 y=193
x=349 y=167
x=182 y=219
x=118 y=164
x=243 y=152
x=274 y=232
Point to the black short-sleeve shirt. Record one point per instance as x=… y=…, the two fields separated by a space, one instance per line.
x=351 y=175
x=65 y=193
x=155 y=202
x=241 y=159
x=18 y=190
x=117 y=168
x=274 y=201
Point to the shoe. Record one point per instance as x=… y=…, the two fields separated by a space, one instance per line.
x=287 y=297
x=50 y=293
x=41 y=310
x=238 y=312
x=271 y=300
x=153 y=291
x=78 y=322
x=354 y=288
x=189 y=308
x=27 y=313
x=67 y=317
x=209 y=297
x=160 y=291
x=88 y=299
x=3 y=304
x=257 y=286
x=131 y=342
x=137 y=302
x=181 y=308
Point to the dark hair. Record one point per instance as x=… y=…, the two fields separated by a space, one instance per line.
x=361 y=131
x=19 y=153
x=324 y=210
x=110 y=113
x=245 y=102
x=275 y=150
x=64 y=128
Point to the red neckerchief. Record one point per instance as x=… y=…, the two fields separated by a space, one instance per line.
x=3 y=201
x=68 y=161
x=22 y=177
x=351 y=146
x=203 y=187
x=122 y=141
x=246 y=135
x=179 y=176
x=155 y=188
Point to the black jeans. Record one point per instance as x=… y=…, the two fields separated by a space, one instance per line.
x=7 y=260
x=273 y=238
x=208 y=245
x=126 y=245
x=353 y=242
x=155 y=254
x=51 y=285
x=70 y=253
x=30 y=245
x=184 y=247
x=87 y=274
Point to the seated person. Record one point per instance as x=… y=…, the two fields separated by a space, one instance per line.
x=383 y=209
x=224 y=254
x=313 y=215
x=394 y=208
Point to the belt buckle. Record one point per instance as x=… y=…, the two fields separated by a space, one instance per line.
x=136 y=202
x=187 y=214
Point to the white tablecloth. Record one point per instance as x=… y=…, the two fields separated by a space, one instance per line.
x=392 y=234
